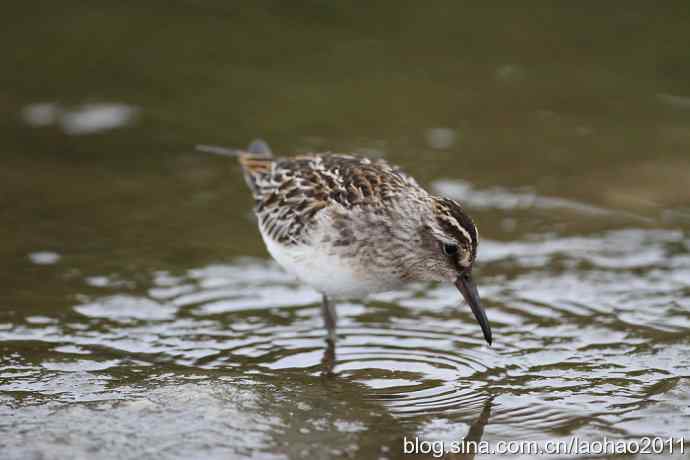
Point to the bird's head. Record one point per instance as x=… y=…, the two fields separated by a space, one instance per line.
x=449 y=241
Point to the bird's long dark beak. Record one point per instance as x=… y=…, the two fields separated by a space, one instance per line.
x=466 y=286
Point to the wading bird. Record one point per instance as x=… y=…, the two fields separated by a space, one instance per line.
x=349 y=226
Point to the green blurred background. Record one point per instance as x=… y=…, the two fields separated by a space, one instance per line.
x=586 y=101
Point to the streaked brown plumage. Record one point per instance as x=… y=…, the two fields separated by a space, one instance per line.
x=290 y=192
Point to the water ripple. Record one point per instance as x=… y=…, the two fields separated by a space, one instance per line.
x=585 y=327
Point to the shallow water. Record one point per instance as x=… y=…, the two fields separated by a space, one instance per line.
x=142 y=318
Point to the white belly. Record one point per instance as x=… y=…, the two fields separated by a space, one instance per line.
x=324 y=272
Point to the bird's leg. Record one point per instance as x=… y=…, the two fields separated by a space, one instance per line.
x=329 y=320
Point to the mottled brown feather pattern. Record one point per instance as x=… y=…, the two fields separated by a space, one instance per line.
x=289 y=193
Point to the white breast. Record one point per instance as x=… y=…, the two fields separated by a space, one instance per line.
x=326 y=273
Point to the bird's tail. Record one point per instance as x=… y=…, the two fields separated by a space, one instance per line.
x=260 y=147
x=255 y=161
x=257 y=149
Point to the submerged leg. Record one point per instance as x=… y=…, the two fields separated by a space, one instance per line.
x=329 y=320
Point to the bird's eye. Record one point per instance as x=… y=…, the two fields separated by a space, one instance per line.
x=450 y=249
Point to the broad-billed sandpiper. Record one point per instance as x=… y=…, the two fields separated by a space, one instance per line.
x=349 y=226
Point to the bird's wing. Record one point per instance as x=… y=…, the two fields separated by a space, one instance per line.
x=290 y=192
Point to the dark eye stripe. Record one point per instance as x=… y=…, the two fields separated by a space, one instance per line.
x=455 y=210
x=450 y=249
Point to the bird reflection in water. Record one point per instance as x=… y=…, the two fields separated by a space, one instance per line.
x=467 y=449
x=328 y=360
x=475 y=433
